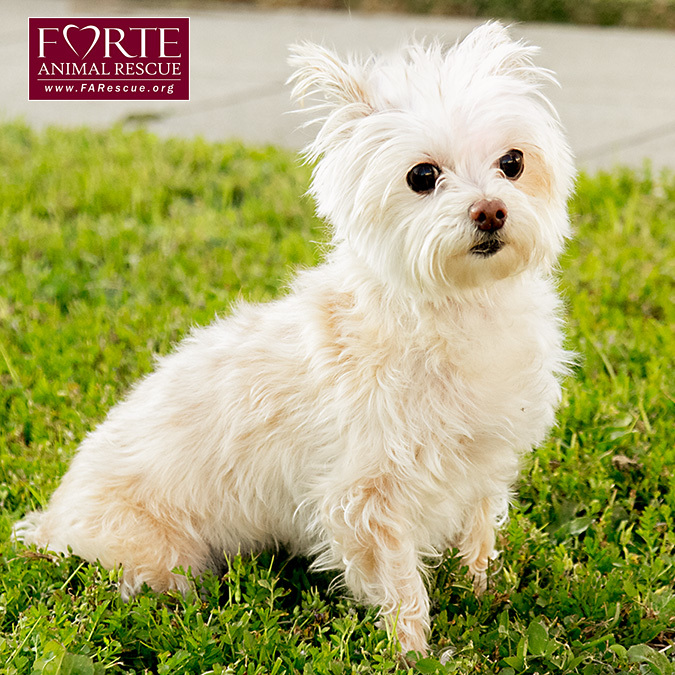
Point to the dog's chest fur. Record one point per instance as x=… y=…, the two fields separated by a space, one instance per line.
x=462 y=372
x=443 y=400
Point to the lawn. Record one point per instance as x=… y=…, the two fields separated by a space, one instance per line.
x=112 y=245
x=628 y=13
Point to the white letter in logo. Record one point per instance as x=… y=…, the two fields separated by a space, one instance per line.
x=163 y=42
x=142 y=54
x=43 y=42
x=108 y=42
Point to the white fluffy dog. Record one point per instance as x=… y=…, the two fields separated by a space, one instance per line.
x=377 y=413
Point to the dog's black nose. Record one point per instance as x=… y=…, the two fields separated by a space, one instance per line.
x=488 y=214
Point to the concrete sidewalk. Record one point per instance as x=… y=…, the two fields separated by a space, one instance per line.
x=617 y=95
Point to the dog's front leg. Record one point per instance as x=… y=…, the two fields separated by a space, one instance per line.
x=373 y=540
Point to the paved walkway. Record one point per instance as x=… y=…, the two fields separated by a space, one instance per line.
x=617 y=98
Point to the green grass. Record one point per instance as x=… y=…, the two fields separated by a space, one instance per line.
x=629 y=13
x=112 y=245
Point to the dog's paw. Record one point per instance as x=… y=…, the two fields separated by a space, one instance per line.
x=411 y=636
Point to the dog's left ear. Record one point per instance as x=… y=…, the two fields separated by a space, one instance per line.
x=320 y=75
x=491 y=45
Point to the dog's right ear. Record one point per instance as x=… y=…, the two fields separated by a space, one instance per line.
x=327 y=81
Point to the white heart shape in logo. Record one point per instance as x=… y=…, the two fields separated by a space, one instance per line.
x=97 y=34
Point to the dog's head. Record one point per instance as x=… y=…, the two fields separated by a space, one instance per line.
x=442 y=170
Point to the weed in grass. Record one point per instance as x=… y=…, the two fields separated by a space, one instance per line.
x=112 y=245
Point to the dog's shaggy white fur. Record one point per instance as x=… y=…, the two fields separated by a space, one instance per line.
x=376 y=414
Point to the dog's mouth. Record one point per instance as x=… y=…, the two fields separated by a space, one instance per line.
x=487 y=247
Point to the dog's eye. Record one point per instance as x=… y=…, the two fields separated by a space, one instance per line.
x=423 y=177
x=512 y=164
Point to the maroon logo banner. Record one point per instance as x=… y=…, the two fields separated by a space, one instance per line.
x=103 y=59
